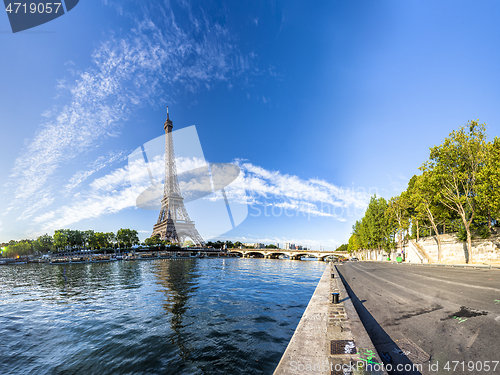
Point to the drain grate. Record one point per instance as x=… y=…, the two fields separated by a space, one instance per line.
x=342 y=368
x=341 y=372
x=342 y=347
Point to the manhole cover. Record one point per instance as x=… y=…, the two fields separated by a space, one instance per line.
x=402 y=352
x=343 y=347
x=412 y=351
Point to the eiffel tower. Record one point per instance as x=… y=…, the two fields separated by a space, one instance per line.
x=174 y=224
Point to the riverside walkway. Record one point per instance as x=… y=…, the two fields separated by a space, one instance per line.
x=330 y=338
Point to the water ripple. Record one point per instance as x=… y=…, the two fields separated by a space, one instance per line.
x=207 y=316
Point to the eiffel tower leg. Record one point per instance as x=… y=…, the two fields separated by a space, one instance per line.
x=193 y=234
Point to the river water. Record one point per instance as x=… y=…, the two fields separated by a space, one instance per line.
x=190 y=316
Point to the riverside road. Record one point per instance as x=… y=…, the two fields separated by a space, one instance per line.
x=414 y=314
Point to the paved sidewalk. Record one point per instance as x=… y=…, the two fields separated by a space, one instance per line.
x=330 y=338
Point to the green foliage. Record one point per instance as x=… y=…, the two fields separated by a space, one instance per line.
x=354 y=243
x=127 y=237
x=462 y=234
x=457 y=191
x=484 y=232
x=60 y=239
x=458 y=168
x=18 y=249
x=375 y=230
x=43 y=244
x=343 y=247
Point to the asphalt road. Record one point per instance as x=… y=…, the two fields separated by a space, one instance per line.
x=429 y=315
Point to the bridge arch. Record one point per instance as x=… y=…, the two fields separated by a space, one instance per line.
x=256 y=254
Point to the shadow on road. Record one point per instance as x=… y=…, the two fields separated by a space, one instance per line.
x=390 y=353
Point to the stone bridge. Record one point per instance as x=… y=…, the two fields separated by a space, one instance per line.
x=292 y=254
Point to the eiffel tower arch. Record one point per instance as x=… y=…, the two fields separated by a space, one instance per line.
x=173 y=223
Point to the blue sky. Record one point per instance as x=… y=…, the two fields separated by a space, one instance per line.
x=319 y=103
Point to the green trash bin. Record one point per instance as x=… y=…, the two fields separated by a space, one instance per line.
x=399 y=259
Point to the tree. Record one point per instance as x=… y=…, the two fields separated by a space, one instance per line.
x=489 y=182
x=19 y=248
x=397 y=215
x=375 y=230
x=188 y=243
x=425 y=194
x=354 y=243
x=90 y=239
x=153 y=241
x=75 y=238
x=109 y=239
x=457 y=165
x=343 y=247
x=43 y=243
x=60 y=239
x=127 y=237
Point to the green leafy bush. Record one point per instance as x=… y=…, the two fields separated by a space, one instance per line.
x=462 y=234
x=484 y=232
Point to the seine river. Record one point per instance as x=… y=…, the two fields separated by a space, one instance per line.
x=200 y=316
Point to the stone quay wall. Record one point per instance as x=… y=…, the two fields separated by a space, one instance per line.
x=453 y=251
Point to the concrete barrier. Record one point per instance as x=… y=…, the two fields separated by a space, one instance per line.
x=323 y=329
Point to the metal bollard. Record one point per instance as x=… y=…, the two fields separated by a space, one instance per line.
x=335 y=298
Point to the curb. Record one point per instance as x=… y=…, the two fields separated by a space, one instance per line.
x=306 y=352
x=465 y=266
x=358 y=330
x=330 y=339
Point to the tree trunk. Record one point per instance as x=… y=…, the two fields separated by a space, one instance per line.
x=469 y=237
x=438 y=238
x=469 y=245
x=401 y=241
x=418 y=231
x=489 y=220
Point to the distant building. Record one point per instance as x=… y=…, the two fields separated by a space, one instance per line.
x=277 y=245
x=289 y=246
x=254 y=245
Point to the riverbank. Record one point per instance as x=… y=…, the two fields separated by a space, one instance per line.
x=330 y=338
x=78 y=257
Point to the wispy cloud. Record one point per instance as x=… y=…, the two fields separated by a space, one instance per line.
x=256 y=186
x=125 y=73
x=314 y=197
x=100 y=163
